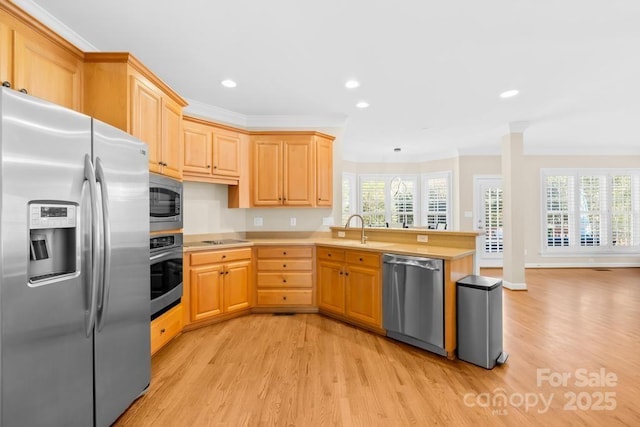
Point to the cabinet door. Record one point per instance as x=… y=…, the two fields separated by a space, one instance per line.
x=324 y=172
x=363 y=295
x=197 y=149
x=267 y=172
x=299 y=171
x=236 y=285
x=146 y=116
x=6 y=53
x=206 y=291
x=226 y=153
x=46 y=71
x=171 y=152
x=331 y=287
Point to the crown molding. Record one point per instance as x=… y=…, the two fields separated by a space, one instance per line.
x=55 y=24
x=216 y=114
x=295 y=122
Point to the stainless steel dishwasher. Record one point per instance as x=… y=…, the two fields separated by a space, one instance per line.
x=413 y=301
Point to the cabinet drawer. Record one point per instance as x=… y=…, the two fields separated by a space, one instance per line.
x=285 y=280
x=330 y=254
x=285 y=252
x=285 y=265
x=212 y=257
x=363 y=258
x=284 y=297
x=165 y=327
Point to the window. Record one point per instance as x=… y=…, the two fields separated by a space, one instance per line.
x=387 y=199
x=436 y=193
x=348 y=196
x=591 y=210
x=395 y=199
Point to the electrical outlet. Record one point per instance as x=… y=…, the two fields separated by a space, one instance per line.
x=292 y=221
x=422 y=238
x=341 y=234
x=257 y=221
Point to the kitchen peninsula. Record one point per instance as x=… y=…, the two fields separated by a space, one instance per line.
x=292 y=272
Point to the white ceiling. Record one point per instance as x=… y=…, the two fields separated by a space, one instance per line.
x=431 y=70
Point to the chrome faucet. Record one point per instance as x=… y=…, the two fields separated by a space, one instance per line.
x=363 y=238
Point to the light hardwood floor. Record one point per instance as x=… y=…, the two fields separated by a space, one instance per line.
x=309 y=370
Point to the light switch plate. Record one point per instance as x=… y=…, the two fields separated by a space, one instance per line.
x=257 y=221
x=292 y=221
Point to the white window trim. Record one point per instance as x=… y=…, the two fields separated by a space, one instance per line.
x=353 y=193
x=578 y=251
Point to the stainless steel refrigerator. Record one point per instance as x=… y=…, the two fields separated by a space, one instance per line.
x=74 y=265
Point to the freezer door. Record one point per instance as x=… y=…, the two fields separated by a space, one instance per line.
x=46 y=367
x=122 y=338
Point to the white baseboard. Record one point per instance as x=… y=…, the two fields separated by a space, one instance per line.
x=514 y=286
x=583 y=265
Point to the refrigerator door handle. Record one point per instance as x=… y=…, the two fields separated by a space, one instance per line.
x=96 y=246
x=103 y=294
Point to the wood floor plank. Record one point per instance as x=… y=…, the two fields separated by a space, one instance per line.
x=311 y=370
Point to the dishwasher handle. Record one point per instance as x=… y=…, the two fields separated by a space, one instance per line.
x=413 y=264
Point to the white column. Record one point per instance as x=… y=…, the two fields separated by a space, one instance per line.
x=513 y=196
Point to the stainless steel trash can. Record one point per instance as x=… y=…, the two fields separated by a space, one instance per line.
x=479 y=318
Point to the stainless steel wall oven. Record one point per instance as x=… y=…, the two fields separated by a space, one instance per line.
x=165 y=272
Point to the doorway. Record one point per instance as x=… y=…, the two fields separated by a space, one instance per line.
x=488 y=205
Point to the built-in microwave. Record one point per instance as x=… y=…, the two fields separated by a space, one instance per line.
x=165 y=271
x=165 y=203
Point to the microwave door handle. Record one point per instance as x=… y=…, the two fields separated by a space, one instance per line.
x=90 y=176
x=103 y=294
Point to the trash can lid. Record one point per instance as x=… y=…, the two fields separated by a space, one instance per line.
x=480 y=282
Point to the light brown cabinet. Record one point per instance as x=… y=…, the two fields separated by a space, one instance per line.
x=121 y=91
x=212 y=153
x=39 y=61
x=219 y=282
x=349 y=285
x=284 y=276
x=286 y=170
x=165 y=328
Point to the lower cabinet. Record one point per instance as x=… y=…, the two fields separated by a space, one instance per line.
x=219 y=283
x=349 y=285
x=165 y=328
x=285 y=277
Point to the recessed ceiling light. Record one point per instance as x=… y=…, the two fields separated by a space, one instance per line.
x=352 y=84
x=509 y=93
x=362 y=104
x=228 y=83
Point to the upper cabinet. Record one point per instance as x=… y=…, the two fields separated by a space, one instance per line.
x=38 y=62
x=121 y=91
x=212 y=152
x=290 y=170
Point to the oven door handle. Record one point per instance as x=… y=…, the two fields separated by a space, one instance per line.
x=173 y=253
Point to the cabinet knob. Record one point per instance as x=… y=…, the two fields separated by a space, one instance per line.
x=284 y=265
x=162 y=331
x=215 y=167
x=6 y=84
x=208 y=166
x=284 y=298
x=279 y=198
x=361 y=260
x=226 y=272
x=329 y=254
x=346 y=273
x=284 y=280
x=224 y=256
x=221 y=273
x=341 y=273
x=23 y=90
x=284 y=253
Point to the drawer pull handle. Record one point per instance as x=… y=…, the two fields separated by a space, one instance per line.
x=284 y=298
x=162 y=331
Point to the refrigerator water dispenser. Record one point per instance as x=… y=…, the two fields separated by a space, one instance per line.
x=52 y=240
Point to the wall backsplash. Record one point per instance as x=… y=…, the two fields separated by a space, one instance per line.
x=206 y=211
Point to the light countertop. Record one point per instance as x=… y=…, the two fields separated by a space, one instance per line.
x=423 y=250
